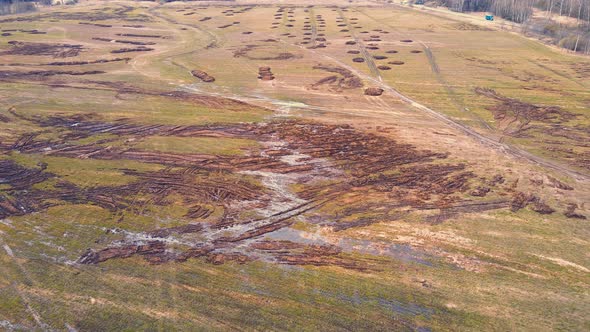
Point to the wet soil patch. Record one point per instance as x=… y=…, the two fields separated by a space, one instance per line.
x=400 y=177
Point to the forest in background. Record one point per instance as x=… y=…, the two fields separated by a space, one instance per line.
x=17 y=6
x=8 y=7
x=573 y=35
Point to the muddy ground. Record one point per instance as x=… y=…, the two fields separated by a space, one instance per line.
x=403 y=179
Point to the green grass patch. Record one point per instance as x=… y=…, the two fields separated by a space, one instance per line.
x=198 y=145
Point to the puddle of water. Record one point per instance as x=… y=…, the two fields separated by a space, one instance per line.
x=142 y=238
x=293 y=235
x=290 y=104
x=6 y=222
x=409 y=309
x=402 y=252
x=282 y=106
x=282 y=198
x=398 y=307
x=8 y=326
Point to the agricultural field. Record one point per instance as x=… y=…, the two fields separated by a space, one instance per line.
x=304 y=166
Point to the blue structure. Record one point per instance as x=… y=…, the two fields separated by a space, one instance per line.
x=489 y=17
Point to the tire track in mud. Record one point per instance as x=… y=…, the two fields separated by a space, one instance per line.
x=285 y=206
x=233 y=237
x=314 y=27
x=214 y=42
x=558 y=73
x=449 y=89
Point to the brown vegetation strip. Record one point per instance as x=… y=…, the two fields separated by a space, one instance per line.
x=127 y=50
x=515 y=116
x=43 y=49
x=44 y=73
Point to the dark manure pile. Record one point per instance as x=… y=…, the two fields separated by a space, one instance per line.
x=203 y=76
x=265 y=74
x=373 y=92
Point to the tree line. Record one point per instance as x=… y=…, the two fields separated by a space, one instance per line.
x=575 y=37
x=16 y=6
x=20 y=6
x=520 y=10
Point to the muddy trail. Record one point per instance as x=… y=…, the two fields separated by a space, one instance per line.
x=230 y=218
x=450 y=90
